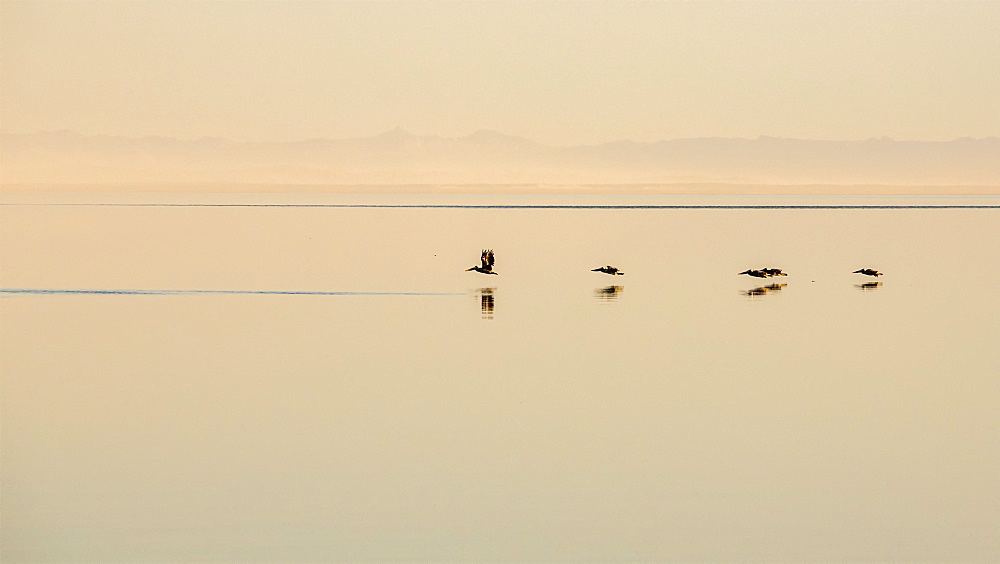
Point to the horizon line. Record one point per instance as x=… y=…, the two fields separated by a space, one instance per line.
x=403 y=132
x=527 y=206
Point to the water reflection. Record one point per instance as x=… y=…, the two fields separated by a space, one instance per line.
x=486 y=302
x=868 y=286
x=764 y=290
x=608 y=293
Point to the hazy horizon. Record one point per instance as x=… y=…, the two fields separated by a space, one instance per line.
x=399 y=158
x=472 y=133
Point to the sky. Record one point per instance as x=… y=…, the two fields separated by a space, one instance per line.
x=562 y=73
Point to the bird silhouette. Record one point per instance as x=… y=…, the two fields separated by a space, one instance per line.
x=487 y=260
x=868 y=271
x=609 y=270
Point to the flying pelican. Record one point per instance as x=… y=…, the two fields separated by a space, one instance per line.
x=868 y=271
x=487 y=259
x=755 y=273
x=609 y=270
x=773 y=272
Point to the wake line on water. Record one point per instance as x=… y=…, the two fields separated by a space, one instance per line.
x=55 y=291
x=554 y=206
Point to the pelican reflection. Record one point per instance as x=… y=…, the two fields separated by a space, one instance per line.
x=764 y=290
x=486 y=302
x=608 y=293
x=868 y=286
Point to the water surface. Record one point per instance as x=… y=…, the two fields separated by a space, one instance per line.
x=313 y=383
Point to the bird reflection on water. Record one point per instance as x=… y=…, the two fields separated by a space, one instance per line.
x=608 y=293
x=868 y=286
x=486 y=302
x=764 y=290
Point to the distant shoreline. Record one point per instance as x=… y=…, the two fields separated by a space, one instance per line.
x=695 y=189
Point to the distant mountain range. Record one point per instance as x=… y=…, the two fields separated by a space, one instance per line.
x=490 y=157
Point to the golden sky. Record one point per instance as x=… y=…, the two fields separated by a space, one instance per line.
x=556 y=72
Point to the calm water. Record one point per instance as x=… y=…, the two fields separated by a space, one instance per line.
x=282 y=383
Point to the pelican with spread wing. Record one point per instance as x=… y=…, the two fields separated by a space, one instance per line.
x=868 y=272
x=612 y=270
x=487 y=260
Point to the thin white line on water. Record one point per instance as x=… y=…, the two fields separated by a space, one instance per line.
x=140 y=292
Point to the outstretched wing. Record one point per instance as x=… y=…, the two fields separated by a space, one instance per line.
x=487 y=259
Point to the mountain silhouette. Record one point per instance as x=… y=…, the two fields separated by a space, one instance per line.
x=492 y=157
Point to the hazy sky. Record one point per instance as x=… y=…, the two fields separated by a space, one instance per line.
x=556 y=72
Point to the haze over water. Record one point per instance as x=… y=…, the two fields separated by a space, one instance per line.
x=268 y=363
x=328 y=383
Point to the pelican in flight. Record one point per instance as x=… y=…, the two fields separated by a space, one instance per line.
x=868 y=271
x=487 y=259
x=755 y=273
x=773 y=272
x=609 y=270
